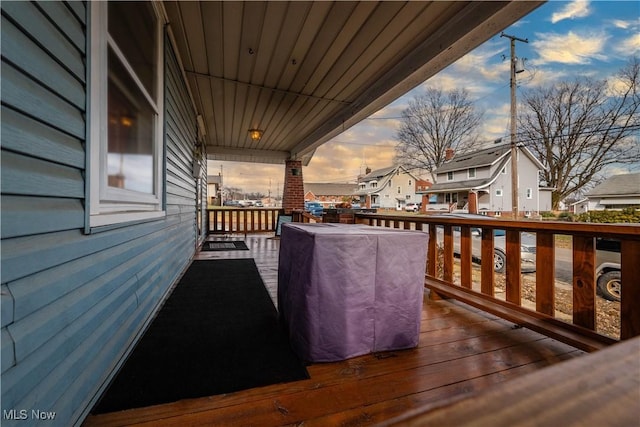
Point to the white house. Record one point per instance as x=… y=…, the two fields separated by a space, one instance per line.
x=480 y=181
x=389 y=188
x=617 y=192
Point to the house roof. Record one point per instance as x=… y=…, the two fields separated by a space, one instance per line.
x=305 y=71
x=329 y=189
x=468 y=184
x=497 y=155
x=475 y=159
x=383 y=175
x=379 y=173
x=618 y=185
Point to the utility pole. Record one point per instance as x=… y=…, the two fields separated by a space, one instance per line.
x=514 y=149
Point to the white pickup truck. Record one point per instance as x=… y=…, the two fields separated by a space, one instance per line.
x=608 y=268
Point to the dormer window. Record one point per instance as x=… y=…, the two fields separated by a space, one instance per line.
x=471 y=173
x=449 y=176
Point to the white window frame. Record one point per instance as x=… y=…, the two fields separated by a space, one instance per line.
x=529 y=193
x=109 y=205
x=498 y=192
x=471 y=173
x=450 y=176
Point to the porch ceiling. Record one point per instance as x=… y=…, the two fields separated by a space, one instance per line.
x=306 y=71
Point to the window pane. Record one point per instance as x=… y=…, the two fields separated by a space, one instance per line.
x=132 y=26
x=130 y=133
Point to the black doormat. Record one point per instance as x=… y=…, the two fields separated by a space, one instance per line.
x=217 y=333
x=234 y=245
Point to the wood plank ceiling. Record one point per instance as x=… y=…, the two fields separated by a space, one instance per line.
x=303 y=72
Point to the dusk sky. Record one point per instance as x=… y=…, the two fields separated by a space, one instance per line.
x=567 y=39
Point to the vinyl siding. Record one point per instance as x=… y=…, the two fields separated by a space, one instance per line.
x=73 y=304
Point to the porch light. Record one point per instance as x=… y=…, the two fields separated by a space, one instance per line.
x=255 y=134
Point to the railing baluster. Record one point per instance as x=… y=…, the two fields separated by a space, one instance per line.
x=465 y=257
x=448 y=254
x=486 y=268
x=584 y=290
x=513 y=278
x=629 y=309
x=545 y=273
x=432 y=252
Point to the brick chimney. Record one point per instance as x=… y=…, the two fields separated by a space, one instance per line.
x=448 y=154
x=293 y=193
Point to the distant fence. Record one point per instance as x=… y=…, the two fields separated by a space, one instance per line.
x=242 y=220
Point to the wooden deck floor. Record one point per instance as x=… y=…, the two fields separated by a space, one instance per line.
x=462 y=350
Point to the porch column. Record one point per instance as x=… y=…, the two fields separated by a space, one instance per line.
x=293 y=192
x=473 y=202
x=367 y=203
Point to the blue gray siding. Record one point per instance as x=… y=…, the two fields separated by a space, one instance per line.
x=74 y=303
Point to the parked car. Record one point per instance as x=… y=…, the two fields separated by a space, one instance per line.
x=314 y=208
x=527 y=244
x=232 y=203
x=258 y=204
x=412 y=207
x=609 y=283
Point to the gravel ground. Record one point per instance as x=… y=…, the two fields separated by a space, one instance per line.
x=607 y=312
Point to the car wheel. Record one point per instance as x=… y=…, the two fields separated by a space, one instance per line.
x=610 y=286
x=499 y=261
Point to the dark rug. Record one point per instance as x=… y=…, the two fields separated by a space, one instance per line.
x=217 y=333
x=235 y=245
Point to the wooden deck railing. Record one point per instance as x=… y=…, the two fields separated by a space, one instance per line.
x=242 y=220
x=582 y=332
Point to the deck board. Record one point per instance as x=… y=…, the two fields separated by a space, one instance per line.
x=461 y=350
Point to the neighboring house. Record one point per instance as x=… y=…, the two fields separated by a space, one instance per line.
x=616 y=193
x=480 y=181
x=423 y=185
x=388 y=188
x=329 y=194
x=214 y=185
x=578 y=206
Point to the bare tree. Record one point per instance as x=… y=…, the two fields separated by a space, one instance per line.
x=580 y=128
x=432 y=123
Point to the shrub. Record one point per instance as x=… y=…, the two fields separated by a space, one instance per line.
x=627 y=215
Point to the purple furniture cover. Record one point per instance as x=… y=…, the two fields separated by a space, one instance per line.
x=346 y=290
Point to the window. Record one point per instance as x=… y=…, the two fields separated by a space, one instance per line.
x=529 y=193
x=497 y=214
x=471 y=172
x=126 y=141
x=449 y=176
x=399 y=189
x=504 y=170
x=498 y=192
x=409 y=183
